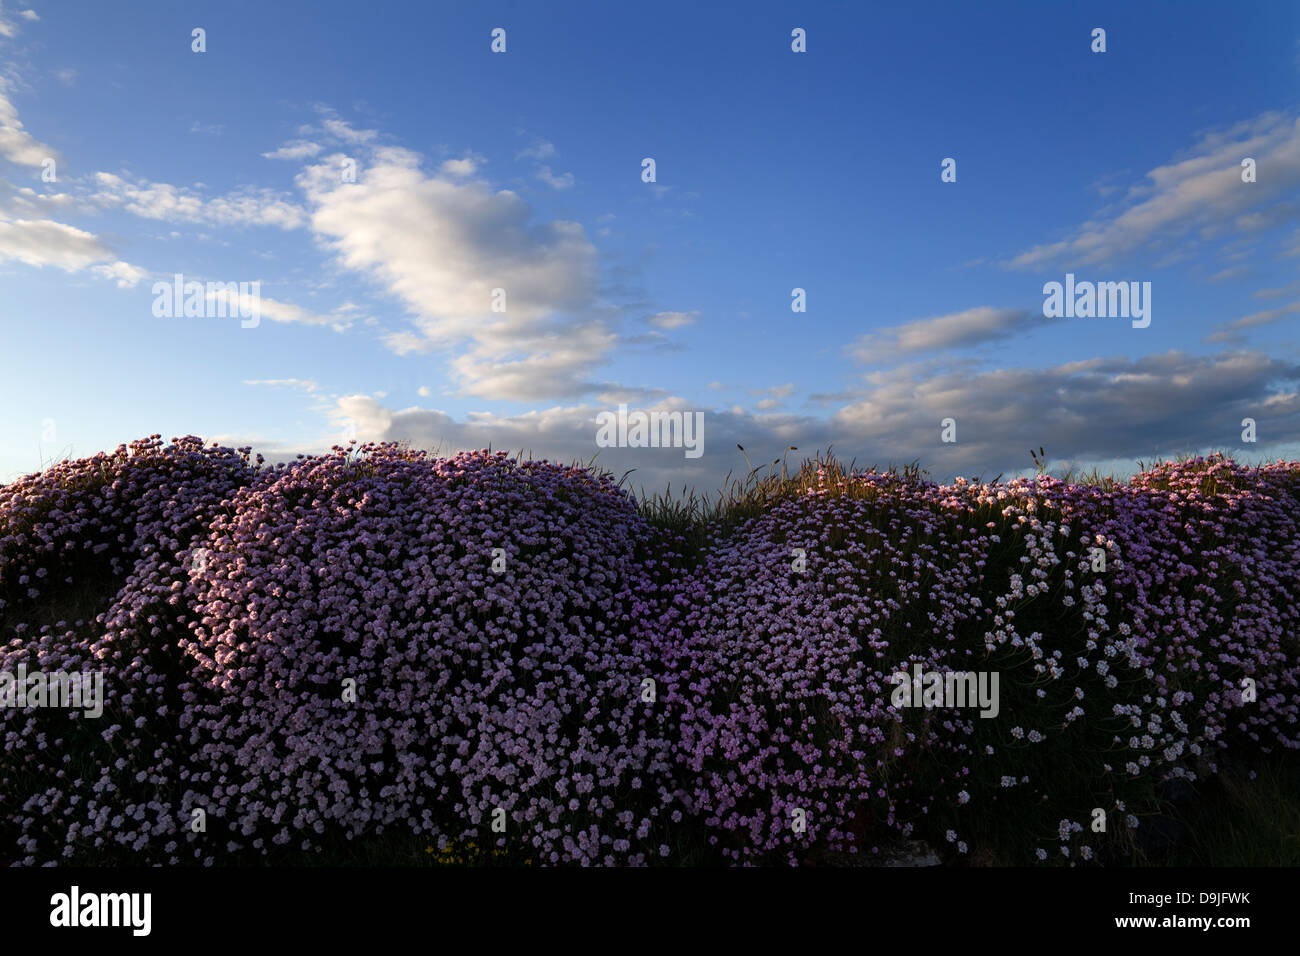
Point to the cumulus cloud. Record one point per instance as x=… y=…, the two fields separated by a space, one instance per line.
x=1098 y=409
x=565 y=433
x=442 y=246
x=527 y=365
x=1200 y=195
x=955 y=330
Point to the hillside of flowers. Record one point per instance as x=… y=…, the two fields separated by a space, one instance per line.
x=518 y=662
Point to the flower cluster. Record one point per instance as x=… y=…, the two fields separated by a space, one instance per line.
x=481 y=651
x=1111 y=681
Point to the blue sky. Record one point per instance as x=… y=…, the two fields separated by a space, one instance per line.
x=775 y=170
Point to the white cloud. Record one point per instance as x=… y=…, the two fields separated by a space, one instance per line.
x=298 y=149
x=673 y=320
x=339 y=129
x=276 y=310
x=16 y=144
x=563 y=181
x=1201 y=195
x=957 y=329
x=26 y=203
x=29 y=15
x=47 y=243
x=539 y=150
x=124 y=274
x=44 y=242
x=303 y=384
x=423 y=391
x=527 y=366
x=442 y=247
x=246 y=206
x=777 y=394
x=459 y=167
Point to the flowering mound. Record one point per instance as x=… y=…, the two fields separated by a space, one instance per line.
x=482 y=652
x=428 y=645
x=793 y=625
x=100 y=539
x=793 y=733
